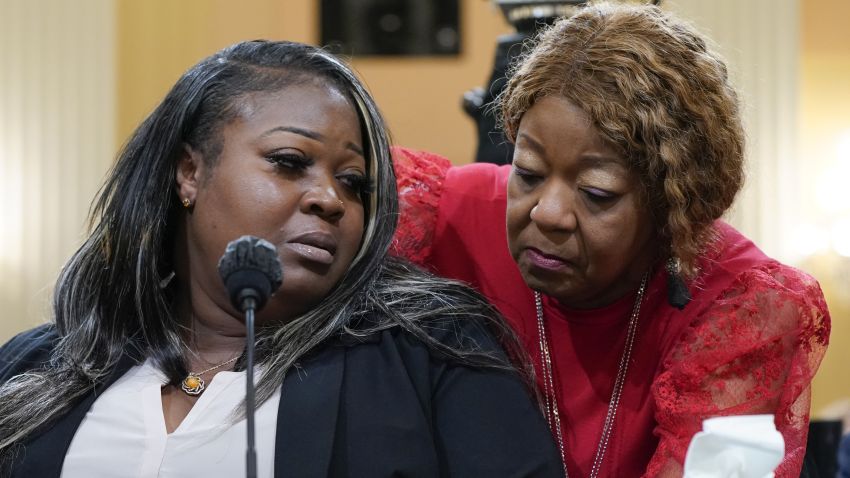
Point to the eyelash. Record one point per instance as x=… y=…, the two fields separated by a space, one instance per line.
x=358 y=183
x=290 y=161
x=525 y=175
x=594 y=194
x=598 y=195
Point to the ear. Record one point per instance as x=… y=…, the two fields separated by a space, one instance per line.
x=190 y=168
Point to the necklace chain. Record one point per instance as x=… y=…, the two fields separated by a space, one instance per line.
x=193 y=384
x=550 y=397
x=215 y=367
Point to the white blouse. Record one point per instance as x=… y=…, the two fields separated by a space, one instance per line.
x=123 y=434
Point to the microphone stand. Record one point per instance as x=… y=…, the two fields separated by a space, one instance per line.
x=251 y=271
x=250 y=454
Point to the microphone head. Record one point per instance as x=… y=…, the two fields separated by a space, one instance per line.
x=250 y=269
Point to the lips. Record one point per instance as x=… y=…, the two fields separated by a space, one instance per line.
x=546 y=261
x=315 y=246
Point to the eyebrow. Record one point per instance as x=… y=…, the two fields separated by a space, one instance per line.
x=593 y=160
x=602 y=161
x=535 y=145
x=310 y=134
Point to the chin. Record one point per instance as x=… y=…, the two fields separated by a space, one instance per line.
x=561 y=288
x=544 y=286
x=290 y=301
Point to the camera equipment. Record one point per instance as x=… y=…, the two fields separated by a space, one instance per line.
x=527 y=17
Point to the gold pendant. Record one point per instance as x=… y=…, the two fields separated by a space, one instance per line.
x=192 y=384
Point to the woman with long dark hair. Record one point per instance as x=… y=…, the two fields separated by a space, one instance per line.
x=366 y=366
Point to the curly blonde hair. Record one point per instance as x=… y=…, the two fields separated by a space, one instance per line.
x=653 y=87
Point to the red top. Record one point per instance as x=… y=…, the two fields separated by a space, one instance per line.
x=749 y=342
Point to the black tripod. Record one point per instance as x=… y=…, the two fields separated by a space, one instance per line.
x=527 y=17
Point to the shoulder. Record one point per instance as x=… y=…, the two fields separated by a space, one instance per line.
x=447 y=210
x=417 y=309
x=744 y=276
x=768 y=301
x=423 y=353
x=439 y=314
x=775 y=297
x=472 y=206
x=430 y=334
x=483 y=181
x=749 y=298
x=27 y=350
x=466 y=334
x=421 y=175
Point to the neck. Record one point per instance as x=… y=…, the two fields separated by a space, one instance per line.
x=212 y=333
x=213 y=344
x=213 y=337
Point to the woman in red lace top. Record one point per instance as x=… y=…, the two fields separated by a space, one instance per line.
x=643 y=312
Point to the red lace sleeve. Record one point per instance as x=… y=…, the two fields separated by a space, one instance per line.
x=754 y=351
x=420 y=177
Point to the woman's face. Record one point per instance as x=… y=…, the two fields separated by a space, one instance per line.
x=576 y=226
x=291 y=170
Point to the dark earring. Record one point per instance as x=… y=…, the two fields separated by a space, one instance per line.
x=678 y=294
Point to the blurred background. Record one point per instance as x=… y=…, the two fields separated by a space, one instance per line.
x=77 y=77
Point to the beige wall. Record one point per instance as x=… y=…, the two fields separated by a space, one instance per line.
x=159 y=39
x=56 y=140
x=824 y=118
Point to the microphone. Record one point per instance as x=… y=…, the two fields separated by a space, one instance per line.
x=251 y=271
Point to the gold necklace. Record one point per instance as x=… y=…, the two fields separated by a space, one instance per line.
x=193 y=384
x=550 y=398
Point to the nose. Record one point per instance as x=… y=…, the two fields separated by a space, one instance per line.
x=555 y=210
x=323 y=200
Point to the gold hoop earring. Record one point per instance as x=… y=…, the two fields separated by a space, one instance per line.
x=187 y=203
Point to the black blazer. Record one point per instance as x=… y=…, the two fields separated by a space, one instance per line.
x=386 y=406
